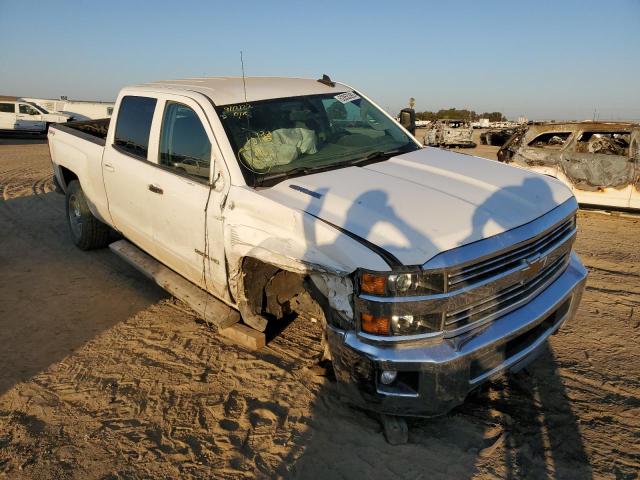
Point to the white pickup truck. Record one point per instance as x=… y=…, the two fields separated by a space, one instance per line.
x=20 y=115
x=434 y=271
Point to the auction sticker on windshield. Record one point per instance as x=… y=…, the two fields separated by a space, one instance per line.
x=346 y=97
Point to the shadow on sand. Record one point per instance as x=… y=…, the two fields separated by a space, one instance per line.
x=54 y=297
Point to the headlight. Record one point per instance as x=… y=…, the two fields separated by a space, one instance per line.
x=399 y=325
x=386 y=320
x=401 y=284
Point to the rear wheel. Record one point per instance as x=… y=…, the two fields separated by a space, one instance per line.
x=87 y=232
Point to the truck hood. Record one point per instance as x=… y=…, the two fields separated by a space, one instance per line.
x=419 y=204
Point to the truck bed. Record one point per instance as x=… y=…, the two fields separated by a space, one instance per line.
x=92 y=130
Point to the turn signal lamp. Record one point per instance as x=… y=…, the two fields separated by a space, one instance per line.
x=373 y=284
x=374 y=325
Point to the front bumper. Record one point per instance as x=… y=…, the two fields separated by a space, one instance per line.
x=436 y=375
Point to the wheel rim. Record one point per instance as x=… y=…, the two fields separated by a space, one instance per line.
x=75 y=216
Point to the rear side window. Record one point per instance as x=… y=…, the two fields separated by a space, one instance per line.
x=550 y=140
x=184 y=145
x=134 y=124
x=7 y=108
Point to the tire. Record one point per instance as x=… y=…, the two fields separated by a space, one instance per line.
x=87 y=232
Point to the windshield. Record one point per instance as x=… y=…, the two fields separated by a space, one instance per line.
x=284 y=137
x=37 y=107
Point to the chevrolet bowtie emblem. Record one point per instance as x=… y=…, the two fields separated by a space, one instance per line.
x=535 y=264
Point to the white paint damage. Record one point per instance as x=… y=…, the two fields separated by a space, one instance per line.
x=338 y=291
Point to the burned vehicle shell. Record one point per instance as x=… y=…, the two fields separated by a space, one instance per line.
x=590 y=157
x=450 y=133
x=496 y=137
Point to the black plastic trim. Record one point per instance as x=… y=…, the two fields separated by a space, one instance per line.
x=389 y=258
x=78 y=133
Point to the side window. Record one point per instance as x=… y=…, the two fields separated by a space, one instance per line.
x=7 y=108
x=550 y=140
x=606 y=143
x=28 y=109
x=133 y=124
x=184 y=145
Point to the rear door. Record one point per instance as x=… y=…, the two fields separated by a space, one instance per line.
x=29 y=118
x=129 y=171
x=187 y=222
x=600 y=168
x=7 y=116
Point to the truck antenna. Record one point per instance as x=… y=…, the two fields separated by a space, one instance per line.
x=244 y=84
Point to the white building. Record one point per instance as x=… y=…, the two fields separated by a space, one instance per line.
x=78 y=109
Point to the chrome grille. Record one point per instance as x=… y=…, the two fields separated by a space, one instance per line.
x=515 y=258
x=506 y=299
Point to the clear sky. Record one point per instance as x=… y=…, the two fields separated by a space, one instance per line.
x=543 y=59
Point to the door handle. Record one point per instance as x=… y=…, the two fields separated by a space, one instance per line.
x=156 y=189
x=109 y=167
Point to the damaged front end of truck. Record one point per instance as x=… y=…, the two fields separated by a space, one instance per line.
x=410 y=340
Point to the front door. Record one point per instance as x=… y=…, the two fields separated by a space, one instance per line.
x=7 y=116
x=543 y=152
x=187 y=223
x=129 y=176
x=29 y=118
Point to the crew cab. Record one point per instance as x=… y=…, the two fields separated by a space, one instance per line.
x=19 y=115
x=433 y=271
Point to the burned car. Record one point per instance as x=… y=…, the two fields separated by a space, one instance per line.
x=450 y=133
x=497 y=136
x=599 y=161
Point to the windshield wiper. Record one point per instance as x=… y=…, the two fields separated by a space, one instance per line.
x=379 y=156
x=294 y=172
x=299 y=171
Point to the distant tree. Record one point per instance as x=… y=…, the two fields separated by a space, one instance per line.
x=494 y=116
x=425 y=116
x=459 y=114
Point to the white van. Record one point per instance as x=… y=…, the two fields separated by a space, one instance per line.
x=17 y=114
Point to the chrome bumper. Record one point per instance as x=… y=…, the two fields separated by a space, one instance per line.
x=436 y=375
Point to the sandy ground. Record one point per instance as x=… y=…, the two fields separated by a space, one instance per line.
x=106 y=377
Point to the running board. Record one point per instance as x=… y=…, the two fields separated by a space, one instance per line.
x=204 y=304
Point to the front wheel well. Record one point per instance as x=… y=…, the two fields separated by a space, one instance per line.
x=268 y=292
x=67 y=176
x=271 y=299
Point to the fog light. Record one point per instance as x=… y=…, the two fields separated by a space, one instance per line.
x=388 y=376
